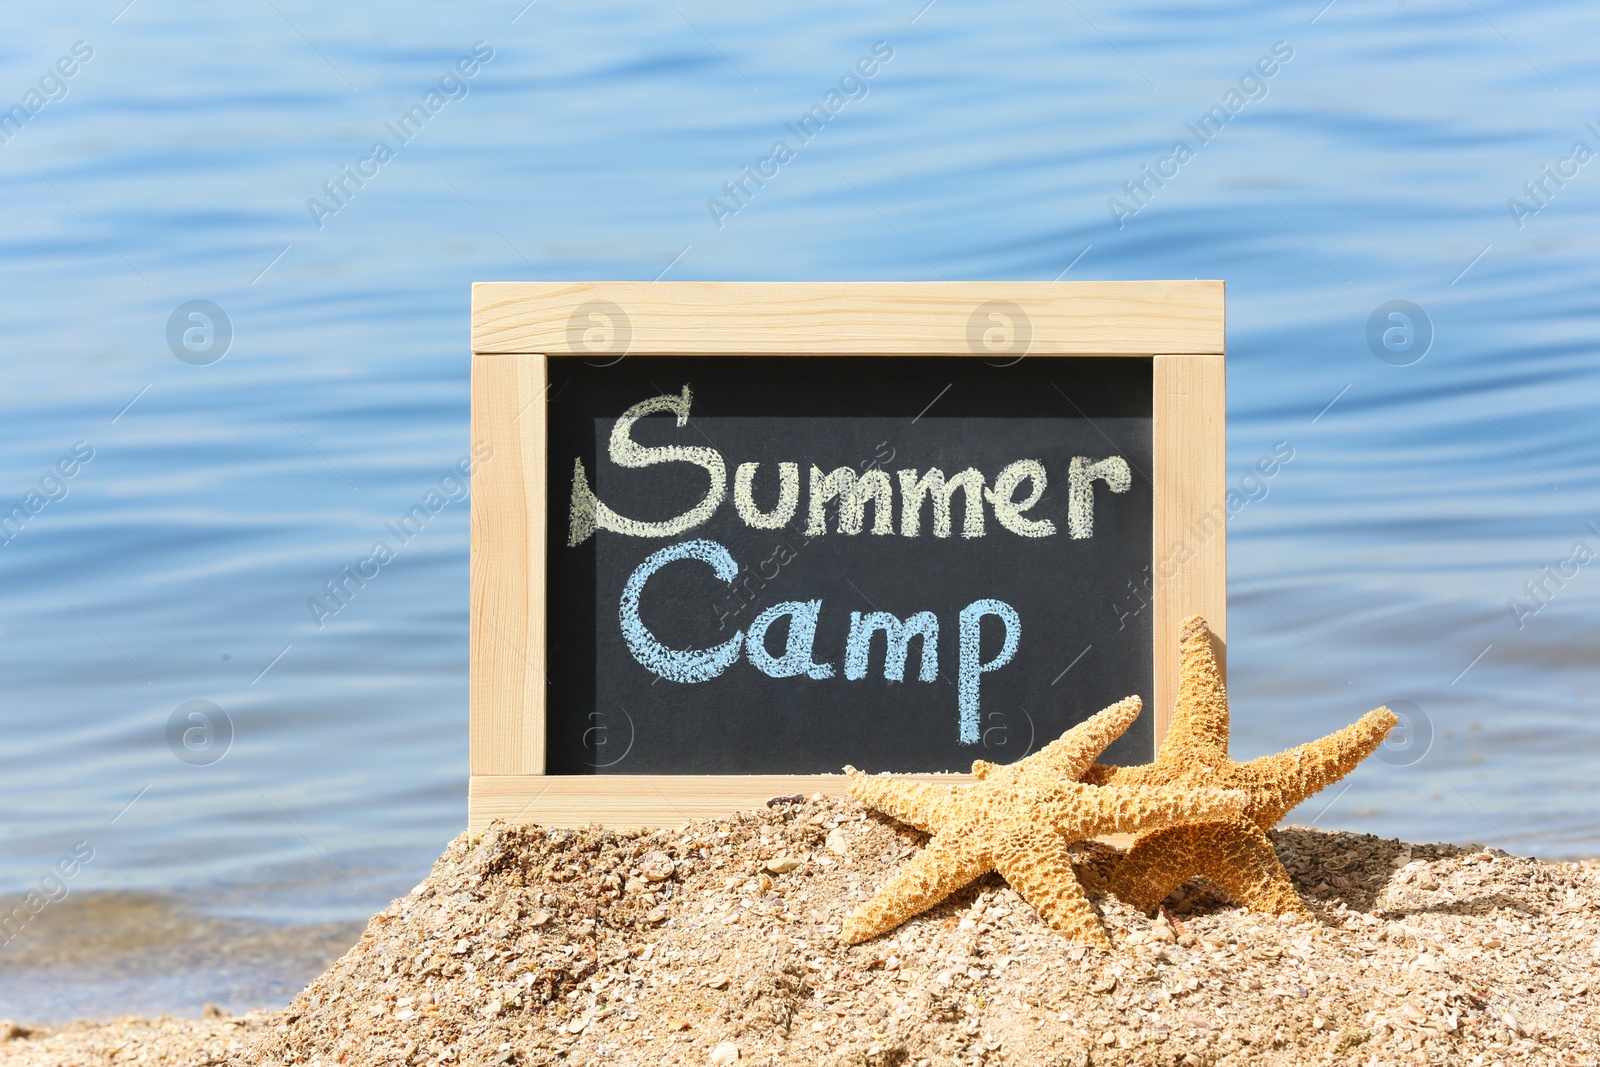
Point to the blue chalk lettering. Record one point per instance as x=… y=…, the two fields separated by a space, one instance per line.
x=796 y=658
x=971 y=661
x=898 y=636
x=672 y=664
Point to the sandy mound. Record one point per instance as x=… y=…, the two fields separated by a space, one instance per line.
x=717 y=944
x=719 y=941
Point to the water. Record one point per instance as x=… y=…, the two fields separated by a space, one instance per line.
x=1376 y=568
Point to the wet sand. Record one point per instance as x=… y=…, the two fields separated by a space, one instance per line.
x=99 y=955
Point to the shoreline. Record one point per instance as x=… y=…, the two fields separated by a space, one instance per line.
x=717 y=943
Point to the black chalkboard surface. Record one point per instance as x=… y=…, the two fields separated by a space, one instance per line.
x=651 y=669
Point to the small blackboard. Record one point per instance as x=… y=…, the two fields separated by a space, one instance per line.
x=1015 y=636
x=728 y=538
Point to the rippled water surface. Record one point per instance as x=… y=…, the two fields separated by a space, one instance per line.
x=174 y=565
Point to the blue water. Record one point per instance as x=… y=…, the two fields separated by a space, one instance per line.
x=1373 y=165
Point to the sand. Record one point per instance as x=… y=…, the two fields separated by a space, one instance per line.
x=211 y=1039
x=716 y=943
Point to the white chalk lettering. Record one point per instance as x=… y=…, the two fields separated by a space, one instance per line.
x=788 y=497
x=1007 y=511
x=849 y=491
x=853 y=492
x=1081 y=477
x=590 y=514
x=913 y=489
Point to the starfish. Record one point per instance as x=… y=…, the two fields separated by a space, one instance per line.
x=1233 y=852
x=1062 y=760
x=1016 y=825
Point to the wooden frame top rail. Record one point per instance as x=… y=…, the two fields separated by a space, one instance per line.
x=851 y=318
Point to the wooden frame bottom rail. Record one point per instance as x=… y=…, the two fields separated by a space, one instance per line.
x=635 y=800
x=652 y=801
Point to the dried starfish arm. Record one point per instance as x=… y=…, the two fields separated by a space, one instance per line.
x=933 y=874
x=1299 y=772
x=1235 y=854
x=1038 y=868
x=1199 y=726
x=1078 y=811
x=1233 y=851
x=910 y=802
x=1025 y=811
x=1068 y=756
x=1099 y=774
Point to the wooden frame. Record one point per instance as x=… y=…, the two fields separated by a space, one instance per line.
x=516 y=326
